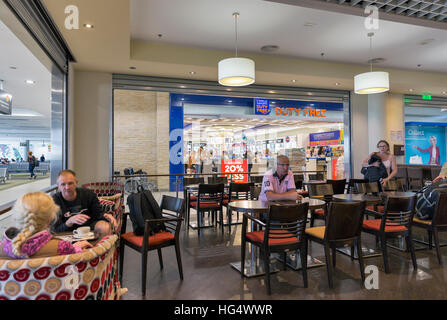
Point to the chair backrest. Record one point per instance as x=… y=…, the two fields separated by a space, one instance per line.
x=173 y=205
x=285 y=221
x=215 y=180
x=367 y=188
x=240 y=190
x=399 y=211
x=104 y=189
x=394 y=185
x=211 y=192
x=440 y=215
x=255 y=192
x=344 y=220
x=323 y=189
x=256 y=179
x=351 y=184
x=298 y=183
x=435 y=172
x=338 y=185
x=189 y=181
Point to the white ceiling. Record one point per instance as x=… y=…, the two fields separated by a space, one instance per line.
x=209 y=24
x=27 y=99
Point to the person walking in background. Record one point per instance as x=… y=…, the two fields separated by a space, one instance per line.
x=42 y=158
x=388 y=160
x=31 y=164
x=435 y=155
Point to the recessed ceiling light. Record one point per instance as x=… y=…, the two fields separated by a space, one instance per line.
x=192 y=72
x=183 y=87
x=88 y=26
x=293 y=80
x=337 y=84
x=444 y=92
x=132 y=68
x=411 y=90
x=269 y=48
x=30 y=82
x=271 y=91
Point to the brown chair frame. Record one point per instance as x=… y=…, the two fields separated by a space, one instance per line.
x=237 y=191
x=172 y=221
x=207 y=196
x=438 y=223
x=187 y=182
x=290 y=218
x=343 y=226
x=398 y=211
x=326 y=191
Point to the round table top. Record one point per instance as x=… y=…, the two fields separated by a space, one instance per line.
x=196 y=186
x=370 y=199
x=255 y=206
x=314 y=182
x=399 y=194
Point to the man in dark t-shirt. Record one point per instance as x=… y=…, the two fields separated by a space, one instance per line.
x=79 y=207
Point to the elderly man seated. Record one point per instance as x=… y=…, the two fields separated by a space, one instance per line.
x=279 y=184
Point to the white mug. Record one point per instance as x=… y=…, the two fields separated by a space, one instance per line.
x=81 y=231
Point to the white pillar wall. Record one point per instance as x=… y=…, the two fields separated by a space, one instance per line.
x=395 y=122
x=376 y=120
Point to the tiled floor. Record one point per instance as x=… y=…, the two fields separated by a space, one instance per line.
x=209 y=276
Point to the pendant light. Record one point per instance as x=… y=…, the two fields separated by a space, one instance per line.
x=371 y=82
x=236 y=72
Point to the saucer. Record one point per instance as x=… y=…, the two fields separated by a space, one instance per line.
x=87 y=236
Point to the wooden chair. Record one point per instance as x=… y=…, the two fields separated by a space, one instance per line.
x=415 y=179
x=283 y=231
x=394 y=185
x=323 y=192
x=396 y=221
x=172 y=209
x=255 y=192
x=351 y=185
x=209 y=199
x=438 y=223
x=338 y=186
x=256 y=179
x=192 y=196
x=343 y=226
x=237 y=191
x=216 y=180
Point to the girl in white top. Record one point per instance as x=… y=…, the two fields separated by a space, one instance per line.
x=389 y=160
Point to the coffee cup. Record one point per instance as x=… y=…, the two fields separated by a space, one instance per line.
x=81 y=231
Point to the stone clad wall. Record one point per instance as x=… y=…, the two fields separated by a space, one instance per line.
x=141 y=133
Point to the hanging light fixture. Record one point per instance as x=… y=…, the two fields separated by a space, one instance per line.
x=236 y=72
x=371 y=82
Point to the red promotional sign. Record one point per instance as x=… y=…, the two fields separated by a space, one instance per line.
x=235 y=166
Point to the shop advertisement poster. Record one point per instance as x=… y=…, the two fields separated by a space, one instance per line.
x=325 y=138
x=425 y=144
x=235 y=167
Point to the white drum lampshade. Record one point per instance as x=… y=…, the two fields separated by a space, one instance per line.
x=371 y=82
x=236 y=72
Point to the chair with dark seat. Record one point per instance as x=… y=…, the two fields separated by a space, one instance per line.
x=338 y=186
x=324 y=192
x=237 y=192
x=351 y=184
x=172 y=209
x=343 y=227
x=394 y=185
x=209 y=199
x=396 y=221
x=216 y=180
x=192 y=195
x=373 y=189
x=438 y=223
x=283 y=231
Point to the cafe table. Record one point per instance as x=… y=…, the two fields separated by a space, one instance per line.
x=253 y=267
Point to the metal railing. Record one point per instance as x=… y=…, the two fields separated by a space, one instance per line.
x=8 y=206
x=177 y=176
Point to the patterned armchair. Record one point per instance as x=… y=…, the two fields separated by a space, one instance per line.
x=90 y=275
x=110 y=195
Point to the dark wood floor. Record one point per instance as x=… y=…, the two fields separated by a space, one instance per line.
x=209 y=276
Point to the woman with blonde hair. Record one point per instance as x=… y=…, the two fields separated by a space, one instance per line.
x=31 y=238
